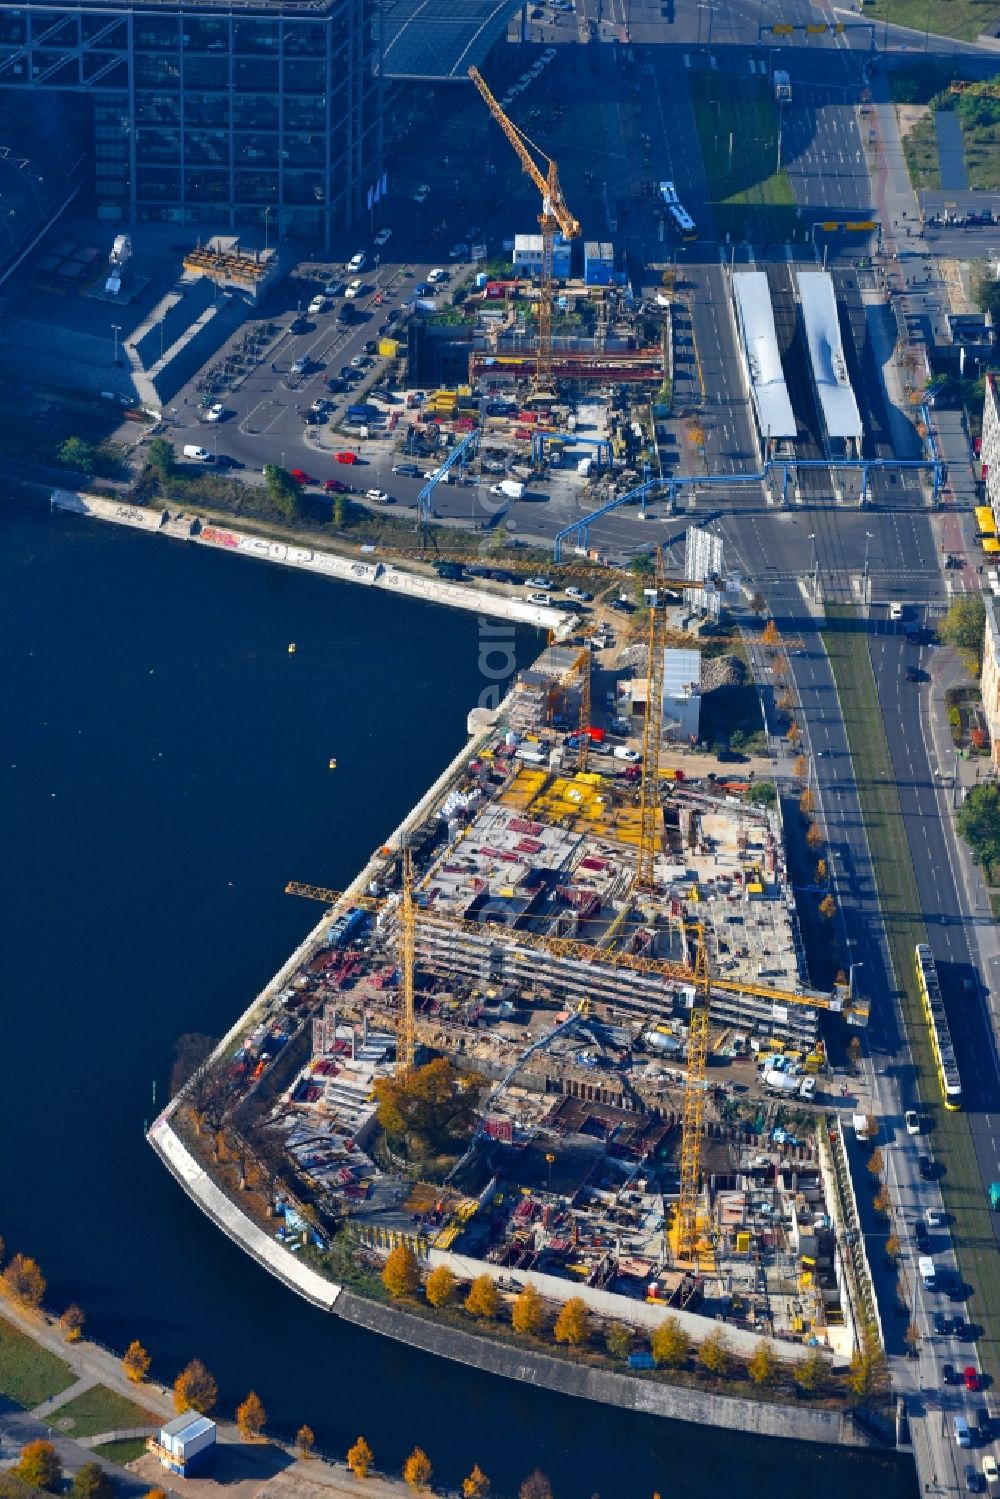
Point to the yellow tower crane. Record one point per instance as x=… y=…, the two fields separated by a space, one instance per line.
x=554 y=218
x=652 y=732
x=693 y=1114
x=406 y=1047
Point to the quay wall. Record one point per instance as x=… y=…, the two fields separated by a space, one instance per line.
x=627 y=1392
x=370 y=573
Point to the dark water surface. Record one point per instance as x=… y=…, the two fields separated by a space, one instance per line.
x=163 y=764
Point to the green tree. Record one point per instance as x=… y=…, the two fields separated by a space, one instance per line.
x=360 y=1458
x=92 y=1482
x=339 y=512
x=195 y=1389
x=527 y=1315
x=714 y=1354
x=670 y=1344
x=618 y=1341
x=162 y=458
x=978 y=822
x=762 y=1366
x=964 y=623
x=39 y=1466
x=573 y=1323
x=440 y=1286
x=762 y=794
x=430 y=1108
x=417 y=1469
x=76 y=453
x=812 y=1372
x=283 y=491
x=401 y=1274
x=483 y=1299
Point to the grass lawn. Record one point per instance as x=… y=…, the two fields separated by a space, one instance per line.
x=751 y=197
x=121 y=1452
x=96 y=1410
x=961 y=18
x=29 y=1374
x=961 y=1184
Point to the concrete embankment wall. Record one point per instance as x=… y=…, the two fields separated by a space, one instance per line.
x=627 y=1392
x=361 y=569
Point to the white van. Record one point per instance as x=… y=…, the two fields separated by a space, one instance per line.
x=191 y=450
x=963 y=1437
x=357 y=262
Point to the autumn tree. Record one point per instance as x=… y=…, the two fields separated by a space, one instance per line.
x=573 y=1323
x=618 y=1341
x=429 y=1108
x=794 y=734
x=477 y=1485
x=270 y=1162
x=440 y=1286
x=535 y=1486
x=250 y=1417
x=71 y=1323
x=360 y=1458
x=828 y=908
x=417 y=1469
x=875 y=1163
x=762 y=1366
x=800 y=767
x=854 y=1052
x=866 y=1374
x=806 y=801
x=812 y=1372
x=24 y=1282
x=714 y=1354
x=822 y=872
x=670 y=1344
x=3 y=1249
x=195 y=1389
x=528 y=1312
x=401 y=1273
x=911 y=1338
x=871 y=1128
x=769 y=635
x=893 y=1247
x=156 y=1494
x=882 y=1202
x=39 y=1466
x=136 y=1362
x=305 y=1441
x=483 y=1299
x=91 y=1482
x=814 y=838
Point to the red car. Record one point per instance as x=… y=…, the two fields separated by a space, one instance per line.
x=971 y=1376
x=301 y=477
x=346 y=458
x=336 y=486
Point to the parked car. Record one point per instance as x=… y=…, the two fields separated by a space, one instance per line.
x=948 y=1375
x=421 y=194
x=934 y=1217
x=990 y=1470
x=334 y=289
x=912 y=1121
x=972 y=1379
x=538 y=582
x=926 y=1168
x=316 y=306
x=336 y=486
x=383 y=237
x=579 y=593
x=320 y=405
x=942 y=1324
x=437 y=275
x=299 y=325
x=346 y=457
x=408 y=470
x=539 y=598
x=224 y=461
x=301 y=477
x=377 y=496
x=299 y=367
x=215 y=413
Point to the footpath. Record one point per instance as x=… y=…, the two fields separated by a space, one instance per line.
x=239 y=1469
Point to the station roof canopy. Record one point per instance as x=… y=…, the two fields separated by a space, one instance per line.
x=826 y=353
x=760 y=353
x=441 y=39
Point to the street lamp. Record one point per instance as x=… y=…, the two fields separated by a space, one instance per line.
x=116 y=329
x=815 y=566
x=267 y=214
x=781 y=111
x=850 y=978
x=869 y=538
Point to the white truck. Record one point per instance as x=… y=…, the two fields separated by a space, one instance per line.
x=622 y=752
x=782 y=1083
x=782 y=87
x=511 y=489
x=927 y=1272
x=860 y=1123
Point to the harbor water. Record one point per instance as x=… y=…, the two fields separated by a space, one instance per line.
x=165 y=763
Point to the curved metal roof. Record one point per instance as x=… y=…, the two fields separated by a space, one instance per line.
x=441 y=39
x=769 y=392
x=818 y=301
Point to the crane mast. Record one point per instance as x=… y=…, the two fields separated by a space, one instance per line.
x=553 y=219
x=652 y=730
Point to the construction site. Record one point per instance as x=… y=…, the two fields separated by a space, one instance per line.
x=611 y=951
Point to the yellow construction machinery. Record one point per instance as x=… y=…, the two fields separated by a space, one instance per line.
x=554 y=218
x=652 y=735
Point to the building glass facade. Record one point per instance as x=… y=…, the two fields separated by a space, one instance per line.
x=205 y=115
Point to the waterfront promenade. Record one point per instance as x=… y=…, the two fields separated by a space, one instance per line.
x=241 y=1469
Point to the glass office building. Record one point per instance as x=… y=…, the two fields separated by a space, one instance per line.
x=220 y=114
